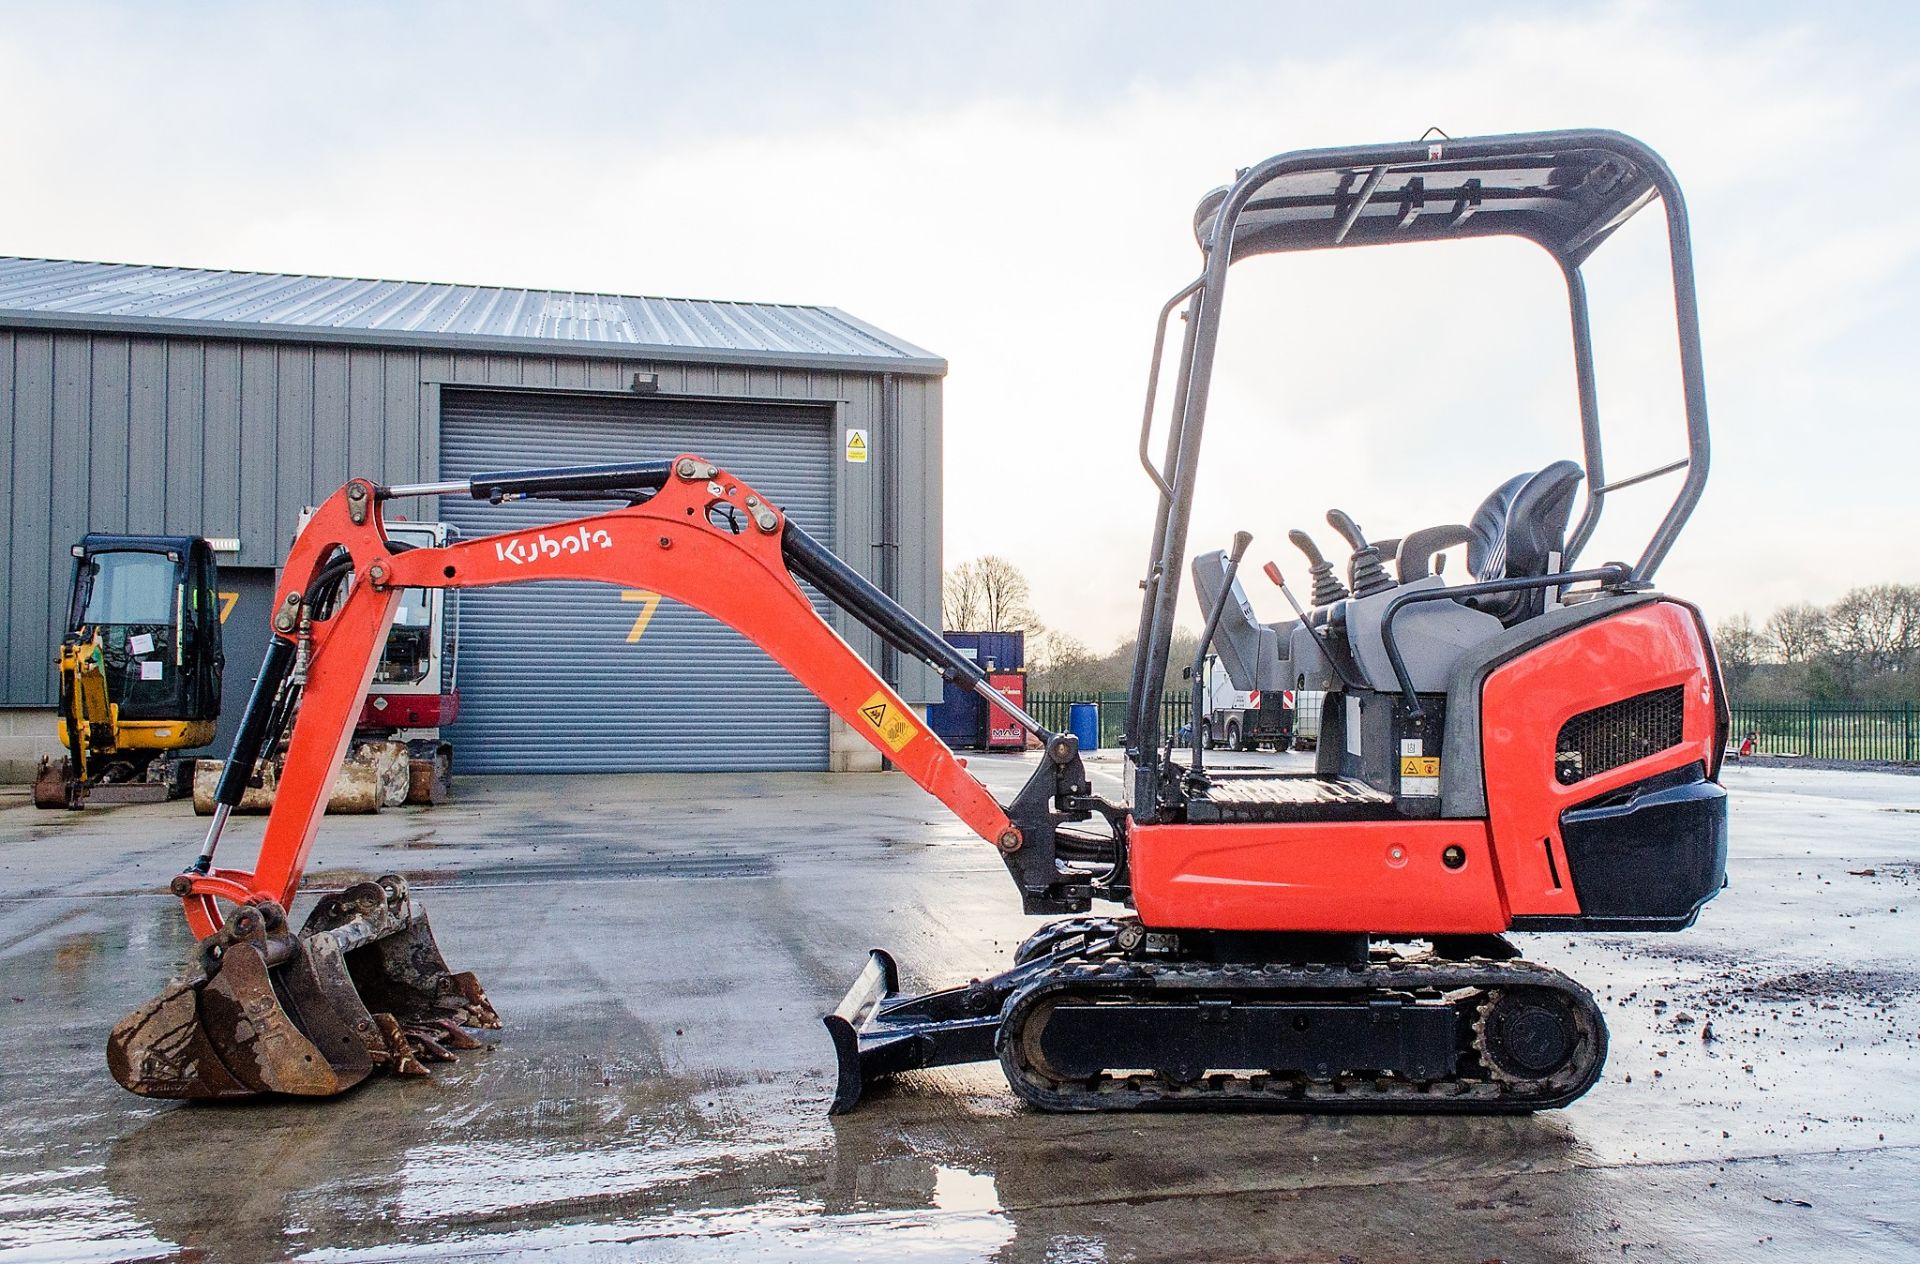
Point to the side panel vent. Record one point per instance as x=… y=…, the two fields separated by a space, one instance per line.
x=1619 y=733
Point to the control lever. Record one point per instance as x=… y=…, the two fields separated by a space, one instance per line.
x=1320 y=638
x=1241 y=539
x=1365 y=573
x=1327 y=587
x=1349 y=530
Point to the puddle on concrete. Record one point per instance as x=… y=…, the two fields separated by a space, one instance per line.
x=772 y=1231
x=521 y=873
x=462 y=1182
x=65 y=1215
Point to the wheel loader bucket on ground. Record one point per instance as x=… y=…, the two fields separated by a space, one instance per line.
x=361 y=988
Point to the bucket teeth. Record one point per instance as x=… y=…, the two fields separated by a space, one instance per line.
x=400 y=1057
x=363 y=987
x=475 y=1009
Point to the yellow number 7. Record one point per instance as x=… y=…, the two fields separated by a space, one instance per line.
x=649 y=602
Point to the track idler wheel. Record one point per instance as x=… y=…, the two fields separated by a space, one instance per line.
x=361 y=988
x=1534 y=1037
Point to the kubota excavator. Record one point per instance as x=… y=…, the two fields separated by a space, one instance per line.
x=1535 y=748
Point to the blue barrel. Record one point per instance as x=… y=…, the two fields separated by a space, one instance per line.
x=1083 y=721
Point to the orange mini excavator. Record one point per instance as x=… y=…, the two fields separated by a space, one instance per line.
x=1534 y=747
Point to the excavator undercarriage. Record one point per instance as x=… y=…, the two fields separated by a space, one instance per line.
x=1098 y=1014
x=1534 y=749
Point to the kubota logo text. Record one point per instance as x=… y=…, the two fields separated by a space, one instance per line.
x=520 y=552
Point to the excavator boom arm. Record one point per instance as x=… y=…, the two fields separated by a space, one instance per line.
x=702 y=537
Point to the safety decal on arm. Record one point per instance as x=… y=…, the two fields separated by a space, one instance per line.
x=889 y=721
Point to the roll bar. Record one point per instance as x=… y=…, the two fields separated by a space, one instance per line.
x=1566 y=191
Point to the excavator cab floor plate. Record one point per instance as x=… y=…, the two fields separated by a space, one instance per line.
x=1287 y=797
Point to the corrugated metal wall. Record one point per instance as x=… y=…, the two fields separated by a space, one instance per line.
x=222 y=437
x=587 y=677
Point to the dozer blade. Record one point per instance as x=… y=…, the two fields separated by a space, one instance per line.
x=362 y=987
x=431 y=780
x=877 y=1032
x=374 y=775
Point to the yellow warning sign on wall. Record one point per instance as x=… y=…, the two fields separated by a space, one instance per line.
x=857 y=447
x=1419 y=765
x=890 y=721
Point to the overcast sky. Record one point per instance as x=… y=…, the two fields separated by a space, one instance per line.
x=1012 y=186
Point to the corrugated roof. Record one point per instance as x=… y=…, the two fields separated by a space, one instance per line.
x=126 y=297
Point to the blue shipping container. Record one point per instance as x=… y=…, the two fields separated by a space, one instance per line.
x=960 y=717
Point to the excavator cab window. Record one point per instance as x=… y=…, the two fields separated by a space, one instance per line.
x=422 y=618
x=130 y=601
x=409 y=653
x=127 y=589
x=203 y=657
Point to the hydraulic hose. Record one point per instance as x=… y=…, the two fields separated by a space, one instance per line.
x=255 y=725
x=252 y=736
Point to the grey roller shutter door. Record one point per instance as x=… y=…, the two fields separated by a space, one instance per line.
x=551 y=676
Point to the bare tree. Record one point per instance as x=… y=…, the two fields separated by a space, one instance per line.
x=988 y=594
x=960 y=598
x=1064 y=663
x=1876 y=629
x=1739 y=648
x=1795 y=633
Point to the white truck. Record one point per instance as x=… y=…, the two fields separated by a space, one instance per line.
x=1244 y=719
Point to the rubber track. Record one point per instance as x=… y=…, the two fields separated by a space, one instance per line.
x=1049 y=938
x=1474 y=1091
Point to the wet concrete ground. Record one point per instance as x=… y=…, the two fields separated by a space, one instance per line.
x=659 y=1092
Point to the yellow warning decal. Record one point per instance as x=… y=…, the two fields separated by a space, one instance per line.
x=889 y=721
x=1419 y=765
x=856 y=446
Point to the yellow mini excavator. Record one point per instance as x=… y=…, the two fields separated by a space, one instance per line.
x=140 y=665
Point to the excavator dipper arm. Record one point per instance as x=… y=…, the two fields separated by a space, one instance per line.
x=703 y=537
x=362 y=985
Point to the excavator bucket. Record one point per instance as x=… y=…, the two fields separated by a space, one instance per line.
x=374 y=775
x=361 y=988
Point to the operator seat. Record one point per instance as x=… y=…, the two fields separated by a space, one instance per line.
x=1514 y=534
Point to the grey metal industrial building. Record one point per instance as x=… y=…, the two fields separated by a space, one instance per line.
x=219 y=403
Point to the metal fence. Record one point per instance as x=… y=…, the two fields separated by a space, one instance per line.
x=1820 y=730
x=1052 y=709
x=1810 y=730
